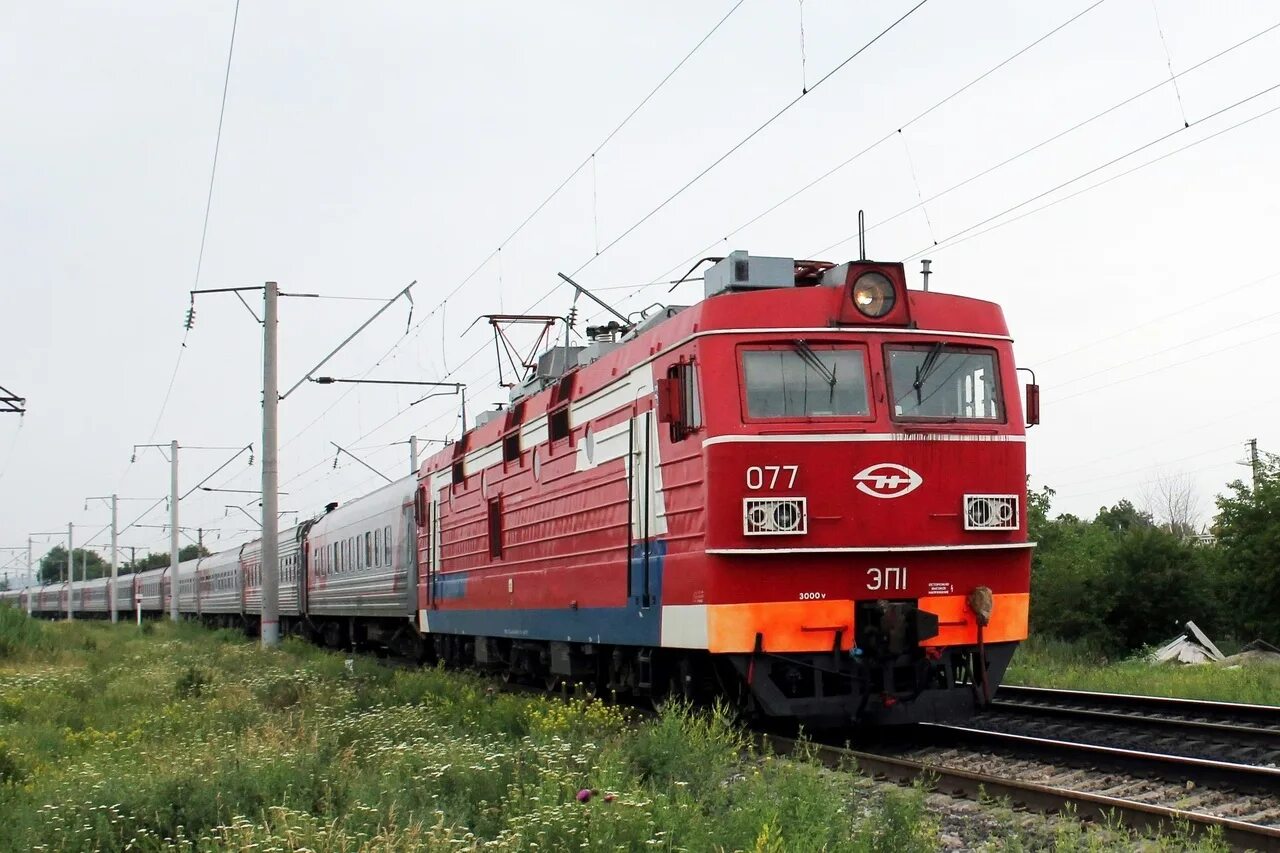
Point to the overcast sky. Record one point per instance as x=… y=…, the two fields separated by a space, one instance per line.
x=366 y=145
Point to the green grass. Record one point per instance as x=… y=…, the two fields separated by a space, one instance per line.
x=188 y=739
x=1044 y=662
x=178 y=738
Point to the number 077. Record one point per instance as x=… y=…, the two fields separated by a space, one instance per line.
x=759 y=475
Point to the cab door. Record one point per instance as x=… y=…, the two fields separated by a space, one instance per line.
x=428 y=556
x=648 y=521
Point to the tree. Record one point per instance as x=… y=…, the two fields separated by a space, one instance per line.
x=1155 y=581
x=1117 y=582
x=191 y=552
x=53 y=566
x=1067 y=572
x=160 y=560
x=1123 y=517
x=1172 y=499
x=1248 y=533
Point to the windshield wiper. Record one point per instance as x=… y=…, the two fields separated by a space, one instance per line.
x=809 y=357
x=926 y=367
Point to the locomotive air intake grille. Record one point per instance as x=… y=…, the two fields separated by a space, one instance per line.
x=991 y=512
x=774 y=516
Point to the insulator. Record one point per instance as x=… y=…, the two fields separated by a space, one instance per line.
x=191 y=318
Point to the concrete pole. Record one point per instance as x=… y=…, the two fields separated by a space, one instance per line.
x=173 y=530
x=413 y=455
x=111 y=594
x=71 y=571
x=270 y=472
x=1253 y=462
x=31 y=580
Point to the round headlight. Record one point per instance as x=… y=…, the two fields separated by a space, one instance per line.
x=873 y=294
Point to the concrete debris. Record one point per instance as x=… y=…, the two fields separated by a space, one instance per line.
x=1252 y=657
x=1191 y=646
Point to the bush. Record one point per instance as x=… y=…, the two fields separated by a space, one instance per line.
x=12 y=768
x=192 y=683
x=1119 y=582
x=19 y=633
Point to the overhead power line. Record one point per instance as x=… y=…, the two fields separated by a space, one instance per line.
x=474 y=354
x=1119 y=364
x=752 y=135
x=1124 y=102
x=704 y=251
x=1130 y=329
x=960 y=236
x=1194 y=358
x=515 y=232
x=208 y=206
x=734 y=148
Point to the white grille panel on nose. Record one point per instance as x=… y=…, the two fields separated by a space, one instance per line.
x=991 y=512
x=774 y=516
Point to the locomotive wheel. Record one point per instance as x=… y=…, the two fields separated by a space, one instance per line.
x=688 y=682
x=682 y=685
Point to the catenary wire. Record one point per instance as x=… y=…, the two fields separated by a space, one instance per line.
x=578 y=169
x=204 y=230
x=874 y=145
x=908 y=123
x=1042 y=143
x=1119 y=364
x=440 y=306
x=738 y=145
x=1160 y=319
x=960 y=237
x=1169 y=366
x=1117 y=176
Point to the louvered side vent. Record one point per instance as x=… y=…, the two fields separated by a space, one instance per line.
x=774 y=516
x=991 y=512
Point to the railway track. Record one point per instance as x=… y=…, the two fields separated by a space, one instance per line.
x=1149 y=760
x=1146 y=791
x=1222 y=731
x=1263 y=717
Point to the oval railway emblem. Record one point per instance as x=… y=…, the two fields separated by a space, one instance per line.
x=887 y=480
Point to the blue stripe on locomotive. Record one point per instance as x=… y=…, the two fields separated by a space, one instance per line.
x=632 y=624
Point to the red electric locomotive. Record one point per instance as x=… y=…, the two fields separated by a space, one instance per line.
x=805 y=491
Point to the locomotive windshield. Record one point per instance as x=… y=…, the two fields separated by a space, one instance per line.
x=800 y=380
x=944 y=382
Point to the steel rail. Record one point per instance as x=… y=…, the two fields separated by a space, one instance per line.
x=1267 y=715
x=1163 y=722
x=1032 y=795
x=1170 y=767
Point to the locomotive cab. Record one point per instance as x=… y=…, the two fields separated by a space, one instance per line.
x=865 y=531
